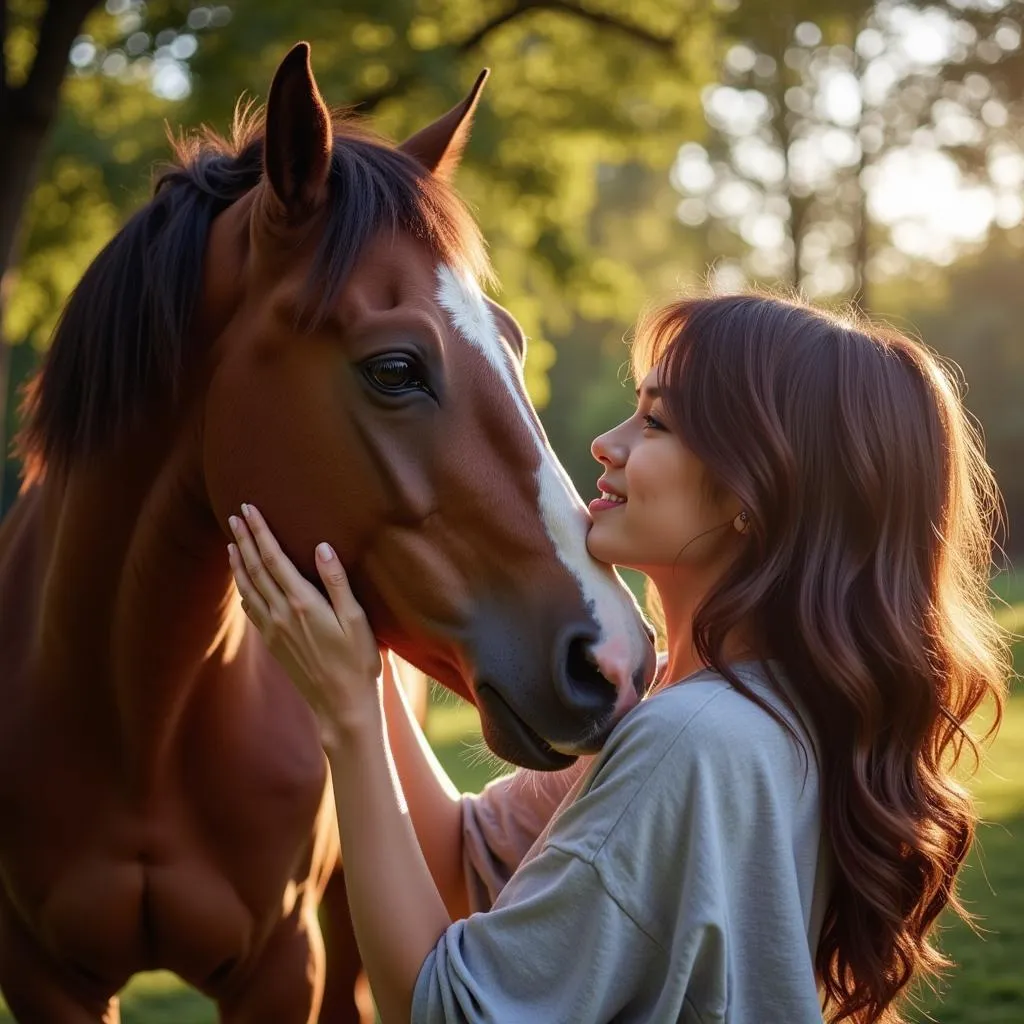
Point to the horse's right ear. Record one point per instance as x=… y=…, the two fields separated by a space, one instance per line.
x=297 y=147
x=440 y=145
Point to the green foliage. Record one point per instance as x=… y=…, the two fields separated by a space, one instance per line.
x=71 y=216
x=976 y=324
x=20 y=43
x=575 y=94
x=110 y=129
x=818 y=105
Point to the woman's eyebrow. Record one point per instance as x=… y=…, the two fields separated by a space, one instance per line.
x=651 y=393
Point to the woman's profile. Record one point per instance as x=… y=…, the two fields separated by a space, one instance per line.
x=769 y=836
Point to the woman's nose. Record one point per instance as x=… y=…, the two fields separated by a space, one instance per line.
x=609 y=449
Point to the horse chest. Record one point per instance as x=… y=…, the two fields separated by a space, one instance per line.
x=109 y=918
x=187 y=872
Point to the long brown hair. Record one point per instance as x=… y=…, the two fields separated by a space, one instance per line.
x=872 y=518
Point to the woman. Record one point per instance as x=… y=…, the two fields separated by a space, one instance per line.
x=772 y=832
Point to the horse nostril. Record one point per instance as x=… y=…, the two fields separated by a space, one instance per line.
x=580 y=683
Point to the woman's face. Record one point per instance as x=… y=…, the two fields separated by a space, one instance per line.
x=656 y=508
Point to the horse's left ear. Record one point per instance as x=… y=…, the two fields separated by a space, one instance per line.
x=297 y=148
x=439 y=146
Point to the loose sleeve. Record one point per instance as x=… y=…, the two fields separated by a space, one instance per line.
x=560 y=944
x=501 y=824
x=559 y=950
x=666 y=890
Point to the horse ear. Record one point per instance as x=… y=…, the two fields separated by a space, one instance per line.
x=297 y=148
x=439 y=146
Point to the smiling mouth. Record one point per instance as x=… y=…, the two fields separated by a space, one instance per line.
x=606 y=502
x=512 y=739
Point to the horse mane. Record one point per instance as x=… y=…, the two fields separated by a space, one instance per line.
x=122 y=340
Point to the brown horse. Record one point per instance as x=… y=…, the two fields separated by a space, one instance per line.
x=162 y=791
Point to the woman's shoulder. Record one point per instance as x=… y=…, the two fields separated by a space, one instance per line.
x=709 y=699
x=704 y=727
x=689 y=768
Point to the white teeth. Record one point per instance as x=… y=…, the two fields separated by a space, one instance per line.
x=605 y=496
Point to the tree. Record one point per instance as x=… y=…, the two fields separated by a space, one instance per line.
x=976 y=324
x=821 y=110
x=109 y=53
x=29 y=91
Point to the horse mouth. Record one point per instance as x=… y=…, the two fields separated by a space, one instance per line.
x=512 y=739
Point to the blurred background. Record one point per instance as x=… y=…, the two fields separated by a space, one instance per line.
x=861 y=152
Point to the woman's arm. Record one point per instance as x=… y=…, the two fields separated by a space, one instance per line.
x=435 y=807
x=397 y=911
x=332 y=657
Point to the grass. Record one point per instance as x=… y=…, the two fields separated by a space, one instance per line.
x=987 y=985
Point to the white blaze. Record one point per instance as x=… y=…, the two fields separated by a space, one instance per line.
x=562 y=512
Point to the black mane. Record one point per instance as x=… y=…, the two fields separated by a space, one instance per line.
x=122 y=339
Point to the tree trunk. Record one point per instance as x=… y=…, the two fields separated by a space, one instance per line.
x=782 y=126
x=861 y=246
x=799 y=207
x=5 y=383
x=17 y=176
x=27 y=114
x=862 y=219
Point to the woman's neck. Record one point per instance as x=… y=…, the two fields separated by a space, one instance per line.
x=679 y=601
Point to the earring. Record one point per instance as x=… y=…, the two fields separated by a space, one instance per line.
x=742 y=522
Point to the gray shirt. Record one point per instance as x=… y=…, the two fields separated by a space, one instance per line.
x=679 y=875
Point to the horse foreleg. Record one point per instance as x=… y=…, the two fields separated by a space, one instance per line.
x=285 y=985
x=37 y=991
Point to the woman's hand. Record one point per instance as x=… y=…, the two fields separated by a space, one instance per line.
x=330 y=653
x=328 y=650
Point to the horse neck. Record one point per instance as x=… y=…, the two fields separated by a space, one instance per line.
x=138 y=602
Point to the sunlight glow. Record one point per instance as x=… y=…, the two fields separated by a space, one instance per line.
x=883 y=127
x=923 y=197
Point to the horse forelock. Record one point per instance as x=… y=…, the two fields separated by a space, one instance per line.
x=122 y=341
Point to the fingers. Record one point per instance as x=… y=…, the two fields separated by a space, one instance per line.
x=263 y=584
x=271 y=577
x=332 y=572
x=253 y=603
x=271 y=557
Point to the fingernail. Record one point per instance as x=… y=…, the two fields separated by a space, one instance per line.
x=233 y=523
x=246 y=510
x=324 y=552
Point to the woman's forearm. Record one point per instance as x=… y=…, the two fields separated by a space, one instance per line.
x=397 y=911
x=433 y=802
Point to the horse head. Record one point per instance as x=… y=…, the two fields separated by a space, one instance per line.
x=364 y=390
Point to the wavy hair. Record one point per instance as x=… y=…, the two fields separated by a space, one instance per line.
x=872 y=523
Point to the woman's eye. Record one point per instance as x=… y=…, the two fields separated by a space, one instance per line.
x=652 y=423
x=395 y=375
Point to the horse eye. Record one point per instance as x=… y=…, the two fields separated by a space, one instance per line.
x=395 y=375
